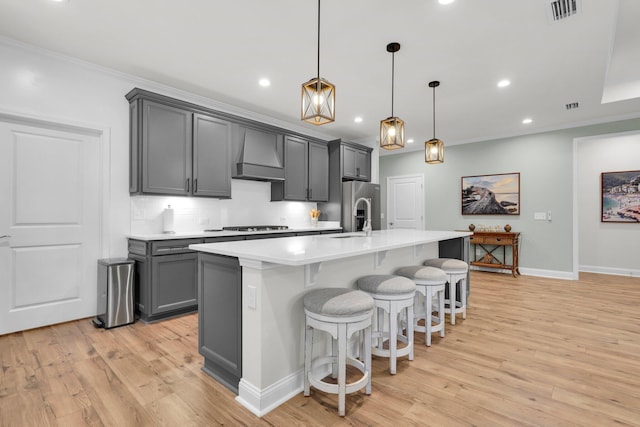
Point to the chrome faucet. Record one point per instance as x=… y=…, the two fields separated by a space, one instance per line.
x=367 y=223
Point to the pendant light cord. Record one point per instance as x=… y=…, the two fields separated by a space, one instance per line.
x=318 y=43
x=434 y=112
x=393 y=63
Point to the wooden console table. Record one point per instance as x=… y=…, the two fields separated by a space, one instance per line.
x=489 y=242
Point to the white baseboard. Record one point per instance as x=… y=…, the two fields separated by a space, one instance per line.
x=553 y=274
x=260 y=402
x=630 y=272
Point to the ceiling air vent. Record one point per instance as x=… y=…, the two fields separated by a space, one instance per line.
x=562 y=9
x=571 y=106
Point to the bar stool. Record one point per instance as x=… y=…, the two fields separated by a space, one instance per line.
x=340 y=312
x=430 y=282
x=457 y=271
x=391 y=294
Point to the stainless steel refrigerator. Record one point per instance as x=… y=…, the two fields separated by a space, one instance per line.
x=352 y=191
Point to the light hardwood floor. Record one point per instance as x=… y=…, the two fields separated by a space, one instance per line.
x=532 y=352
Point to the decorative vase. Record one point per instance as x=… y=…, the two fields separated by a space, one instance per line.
x=507 y=228
x=472 y=227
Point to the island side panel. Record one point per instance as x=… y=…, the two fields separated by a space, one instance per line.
x=220 y=317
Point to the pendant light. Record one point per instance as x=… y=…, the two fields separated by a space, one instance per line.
x=434 y=148
x=392 y=129
x=318 y=95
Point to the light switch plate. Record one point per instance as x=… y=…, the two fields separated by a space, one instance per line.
x=540 y=216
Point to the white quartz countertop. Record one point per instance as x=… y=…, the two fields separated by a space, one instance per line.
x=226 y=233
x=303 y=250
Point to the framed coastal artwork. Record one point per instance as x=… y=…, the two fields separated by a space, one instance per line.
x=491 y=194
x=620 y=193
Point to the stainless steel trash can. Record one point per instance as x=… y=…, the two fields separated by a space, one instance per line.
x=115 y=293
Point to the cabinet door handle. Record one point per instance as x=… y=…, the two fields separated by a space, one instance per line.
x=195 y=185
x=187 y=185
x=358 y=171
x=5 y=236
x=310 y=193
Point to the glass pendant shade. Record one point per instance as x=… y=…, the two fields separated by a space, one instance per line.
x=434 y=151
x=392 y=133
x=318 y=101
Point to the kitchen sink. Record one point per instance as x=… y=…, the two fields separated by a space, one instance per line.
x=348 y=236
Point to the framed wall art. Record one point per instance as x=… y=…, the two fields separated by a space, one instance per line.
x=620 y=196
x=491 y=194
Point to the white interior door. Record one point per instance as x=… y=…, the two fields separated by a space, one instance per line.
x=50 y=217
x=405 y=206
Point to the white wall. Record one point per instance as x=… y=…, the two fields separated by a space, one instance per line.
x=43 y=85
x=612 y=248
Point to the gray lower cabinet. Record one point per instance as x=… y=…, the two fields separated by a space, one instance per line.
x=174 y=283
x=220 y=317
x=165 y=277
x=306 y=172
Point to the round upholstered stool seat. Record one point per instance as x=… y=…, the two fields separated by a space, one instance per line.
x=394 y=296
x=341 y=313
x=457 y=271
x=430 y=282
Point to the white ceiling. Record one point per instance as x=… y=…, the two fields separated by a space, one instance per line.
x=221 y=49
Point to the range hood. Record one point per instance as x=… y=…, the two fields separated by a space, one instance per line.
x=260 y=159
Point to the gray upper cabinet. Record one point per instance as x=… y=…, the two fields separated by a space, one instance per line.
x=211 y=157
x=166 y=149
x=347 y=162
x=356 y=163
x=176 y=150
x=306 y=172
x=318 y=172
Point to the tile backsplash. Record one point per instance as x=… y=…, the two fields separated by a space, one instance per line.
x=250 y=205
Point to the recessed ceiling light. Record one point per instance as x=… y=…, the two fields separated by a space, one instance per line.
x=526 y=121
x=446 y=1
x=504 y=83
x=358 y=119
x=410 y=141
x=59 y=1
x=264 y=82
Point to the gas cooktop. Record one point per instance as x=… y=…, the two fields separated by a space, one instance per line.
x=255 y=227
